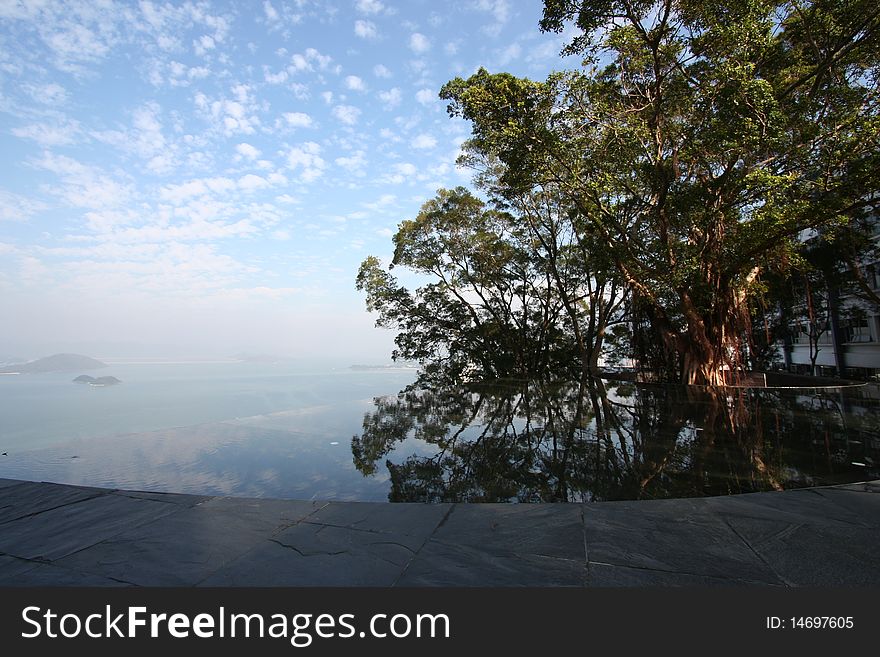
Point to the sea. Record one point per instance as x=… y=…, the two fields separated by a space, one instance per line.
x=249 y=429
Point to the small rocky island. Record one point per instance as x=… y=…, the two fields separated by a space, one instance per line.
x=98 y=382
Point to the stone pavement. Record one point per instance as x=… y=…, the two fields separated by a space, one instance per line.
x=60 y=535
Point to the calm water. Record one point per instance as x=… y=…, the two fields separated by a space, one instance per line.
x=217 y=428
x=282 y=431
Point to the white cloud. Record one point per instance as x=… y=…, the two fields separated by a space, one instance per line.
x=308 y=60
x=306 y=158
x=355 y=83
x=391 y=98
x=49 y=94
x=369 y=6
x=365 y=29
x=419 y=43
x=252 y=182
x=274 y=78
x=509 y=54
x=75 y=44
x=14 y=207
x=300 y=91
x=231 y=116
x=426 y=96
x=354 y=163
x=381 y=71
x=423 y=141
x=60 y=133
x=247 y=151
x=105 y=221
x=381 y=203
x=178 y=74
x=179 y=193
x=144 y=139
x=500 y=11
x=161 y=164
x=347 y=114
x=299 y=63
x=271 y=12
x=298 y=119
x=202 y=45
x=84 y=186
x=399 y=173
x=388 y=135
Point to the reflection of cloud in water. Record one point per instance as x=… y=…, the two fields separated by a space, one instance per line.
x=283 y=454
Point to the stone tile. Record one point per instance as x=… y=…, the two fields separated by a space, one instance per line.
x=262 y=513
x=184 y=548
x=865 y=505
x=549 y=530
x=45 y=574
x=410 y=519
x=670 y=537
x=797 y=506
x=170 y=498
x=30 y=497
x=443 y=563
x=607 y=575
x=309 y=539
x=12 y=567
x=864 y=487
x=807 y=555
x=321 y=555
x=62 y=531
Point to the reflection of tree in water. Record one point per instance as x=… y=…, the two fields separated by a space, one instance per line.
x=605 y=440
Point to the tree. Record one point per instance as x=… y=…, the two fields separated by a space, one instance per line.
x=584 y=281
x=486 y=308
x=695 y=145
x=510 y=292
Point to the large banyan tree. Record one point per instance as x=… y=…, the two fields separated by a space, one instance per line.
x=692 y=148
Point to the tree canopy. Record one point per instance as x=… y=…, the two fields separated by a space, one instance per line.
x=696 y=143
x=677 y=168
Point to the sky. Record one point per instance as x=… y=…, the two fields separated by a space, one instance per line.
x=204 y=178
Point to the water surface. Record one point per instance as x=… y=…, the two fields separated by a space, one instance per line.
x=321 y=433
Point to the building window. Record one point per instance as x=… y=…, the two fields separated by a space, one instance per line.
x=856 y=329
x=801 y=333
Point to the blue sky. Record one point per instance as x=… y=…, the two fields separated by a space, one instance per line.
x=205 y=178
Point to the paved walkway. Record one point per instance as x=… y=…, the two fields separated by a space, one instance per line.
x=59 y=535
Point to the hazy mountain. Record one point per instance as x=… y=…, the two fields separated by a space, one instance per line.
x=56 y=363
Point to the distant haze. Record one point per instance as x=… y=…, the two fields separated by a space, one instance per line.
x=201 y=333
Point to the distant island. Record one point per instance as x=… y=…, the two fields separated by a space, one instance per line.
x=55 y=363
x=393 y=366
x=100 y=381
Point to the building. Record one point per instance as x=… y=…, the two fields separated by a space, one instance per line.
x=844 y=334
